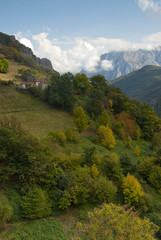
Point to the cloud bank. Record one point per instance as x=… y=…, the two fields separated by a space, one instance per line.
x=149 y=5
x=83 y=53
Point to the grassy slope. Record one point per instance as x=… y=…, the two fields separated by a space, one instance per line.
x=13 y=71
x=34 y=115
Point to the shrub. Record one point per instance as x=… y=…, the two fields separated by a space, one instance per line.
x=61 y=138
x=72 y=135
x=156 y=141
x=35 y=204
x=4 y=66
x=127 y=164
x=106 y=137
x=146 y=166
x=155 y=177
x=5 y=212
x=131 y=190
x=105 y=119
x=103 y=190
x=110 y=166
x=137 y=151
x=80 y=118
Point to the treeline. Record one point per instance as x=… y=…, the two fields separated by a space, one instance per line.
x=132 y=118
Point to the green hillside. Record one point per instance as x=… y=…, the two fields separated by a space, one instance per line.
x=86 y=144
x=143 y=84
x=34 y=115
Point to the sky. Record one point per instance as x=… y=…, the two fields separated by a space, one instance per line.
x=74 y=33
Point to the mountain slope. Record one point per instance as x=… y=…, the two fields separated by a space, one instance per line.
x=10 y=41
x=125 y=62
x=143 y=84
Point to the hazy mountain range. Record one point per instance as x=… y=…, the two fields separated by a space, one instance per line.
x=125 y=62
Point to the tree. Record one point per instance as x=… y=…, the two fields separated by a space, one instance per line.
x=106 y=137
x=155 y=177
x=110 y=167
x=110 y=221
x=4 y=65
x=146 y=166
x=81 y=83
x=35 y=204
x=61 y=91
x=103 y=190
x=23 y=159
x=131 y=190
x=127 y=164
x=156 y=143
x=137 y=151
x=80 y=118
x=105 y=119
x=6 y=212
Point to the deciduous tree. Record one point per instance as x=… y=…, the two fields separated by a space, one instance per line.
x=116 y=222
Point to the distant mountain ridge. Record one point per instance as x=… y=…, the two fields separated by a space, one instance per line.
x=10 y=41
x=143 y=84
x=125 y=62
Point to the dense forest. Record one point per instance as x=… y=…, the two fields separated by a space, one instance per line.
x=46 y=177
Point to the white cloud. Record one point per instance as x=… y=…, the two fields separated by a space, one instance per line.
x=83 y=53
x=106 y=65
x=26 y=42
x=153 y=38
x=149 y=5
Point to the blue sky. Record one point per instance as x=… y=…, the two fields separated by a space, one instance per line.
x=74 y=33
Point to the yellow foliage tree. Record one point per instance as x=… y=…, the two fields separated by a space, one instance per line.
x=80 y=118
x=110 y=221
x=94 y=171
x=137 y=151
x=131 y=190
x=106 y=137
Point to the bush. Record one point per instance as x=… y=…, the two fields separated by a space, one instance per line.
x=72 y=135
x=137 y=151
x=155 y=177
x=127 y=164
x=146 y=166
x=57 y=137
x=145 y=203
x=35 y=204
x=5 y=212
x=110 y=166
x=4 y=66
x=14 y=199
x=105 y=119
x=156 y=142
x=106 y=137
x=61 y=138
x=80 y=118
x=103 y=190
x=131 y=190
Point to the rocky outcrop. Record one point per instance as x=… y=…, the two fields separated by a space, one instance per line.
x=11 y=41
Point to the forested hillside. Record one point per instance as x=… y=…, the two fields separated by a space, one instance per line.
x=144 y=85
x=73 y=153
x=109 y=152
